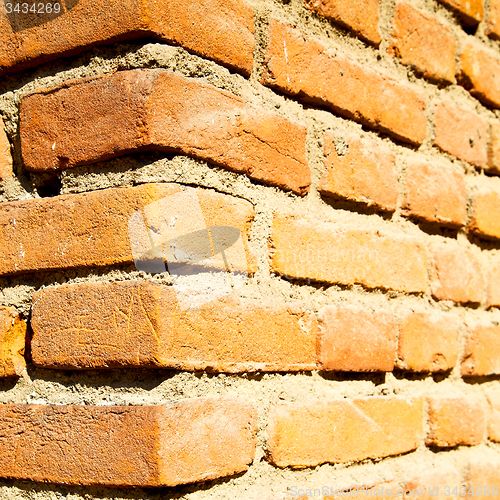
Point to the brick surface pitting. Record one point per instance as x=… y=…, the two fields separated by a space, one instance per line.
x=12 y=343
x=148 y=446
x=109 y=116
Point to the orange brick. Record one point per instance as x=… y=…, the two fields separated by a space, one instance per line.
x=340 y=253
x=493 y=396
x=147 y=446
x=62 y=232
x=461 y=133
x=423 y=43
x=485 y=213
x=435 y=193
x=222 y=30
x=494 y=148
x=483 y=475
x=480 y=72
x=434 y=482
x=355 y=339
x=456 y=274
x=297 y=65
x=455 y=421
x=471 y=11
x=317 y=432
x=134 y=323
x=92 y=120
x=482 y=350
x=359 y=169
x=428 y=341
x=362 y=16
x=5 y=155
x=493 y=24
x=494 y=281
x=12 y=343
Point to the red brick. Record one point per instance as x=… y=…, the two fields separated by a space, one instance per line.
x=353 y=338
x=485 y=211
x=493 y=396
x=359 y=169
x=62 y=232
x=455 y=421
x=428 y=341
x=317 y=432
x=480 y=72
x=297 y=66
x=482 y=350
x=133 y=323
x=423 y=43
x=456 y=274
x=483 y=474
x=435 y=193
x=339 y=253
x=101 y=118
x=494 y=281
x=362 y=16
x=471 y=11
x=494 y=148
x=5 y=155
x=222 y=30
x=12 y=343
x=433 y=482
x=493 y=23
x=461 y=133
x=148 y=446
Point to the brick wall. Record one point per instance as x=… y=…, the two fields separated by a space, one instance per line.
x=250 y=249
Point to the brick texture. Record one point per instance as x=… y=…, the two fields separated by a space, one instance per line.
x=359 y=169
x=131 y=323
x=435 y=192
x=12 y=343
x=456 y=273
x=309 y=434
x=480 y=72
x=109 y=116
x=62 y=232
x=455 y=421
x=494 y=281
x=428 y=341
x=471 y=11
x=423 y=43
x=296 y=65
x=494 y=148
x=5 y=155
x=482 y=350
x=355 y=339
x=221 y=30
x=485 y=211
x=362 y=17
x=493 y=24
x=148 y=446
x=339 y=253
x=482 y=474
x=461 y=133
x=493 y=397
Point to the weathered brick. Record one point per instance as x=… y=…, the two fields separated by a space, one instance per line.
x=493 y=397
x=493 y=278
x=5 y=155
x=428 y=341
x=482 y=475
x=148 y=446
x=359 y=169
x=456 y=273
x=455 y=420
x=297 y=66
x=494 y=148
x=493 y=23
x=12 y=343
x=461 y=133
x=362 y=16
x=92 y=229
x=482 y=350
x=101 y=118
x=222 y=30
x=484 y=217
x=435 y=193
x=423 y=43
x=353 y=338
x=317 y=432
x=339 y=253
x=133 y=323
x=480 y=72
x=471 y=11
x=438 y=481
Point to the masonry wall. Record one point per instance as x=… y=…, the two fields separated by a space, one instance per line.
x=320 y=177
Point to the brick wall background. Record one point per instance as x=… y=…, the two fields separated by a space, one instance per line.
x=353 y=147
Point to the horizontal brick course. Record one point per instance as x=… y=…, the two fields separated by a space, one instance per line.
x=12 y=343
x=317 y=432
x=89 y=121
x=297 y=65
x=143 y=324
x=482 y=350
x=147 y=446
